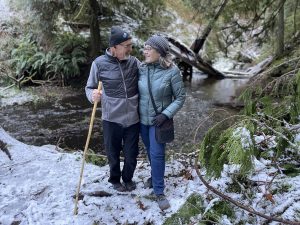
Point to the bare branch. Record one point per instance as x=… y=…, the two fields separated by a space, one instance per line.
x=239 y=204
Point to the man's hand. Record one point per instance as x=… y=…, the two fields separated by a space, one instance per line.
x=96 y=96
x=159 y=120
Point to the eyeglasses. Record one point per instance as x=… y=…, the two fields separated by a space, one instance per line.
x=148 y=48
x=126 y=46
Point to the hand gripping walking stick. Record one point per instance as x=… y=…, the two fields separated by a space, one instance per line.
x=85 y=150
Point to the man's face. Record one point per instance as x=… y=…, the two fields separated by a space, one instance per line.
x=122 y=51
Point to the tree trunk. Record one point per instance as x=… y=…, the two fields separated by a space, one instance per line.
x=199 y=42
x=186 y=55
x=295 y=16
x=94 y=29
x=280 y=30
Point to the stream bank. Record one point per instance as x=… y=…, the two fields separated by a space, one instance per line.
x=61 y=116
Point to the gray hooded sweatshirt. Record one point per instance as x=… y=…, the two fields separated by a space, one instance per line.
x=119 y=79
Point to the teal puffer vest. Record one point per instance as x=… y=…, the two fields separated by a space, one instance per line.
x=167 y=90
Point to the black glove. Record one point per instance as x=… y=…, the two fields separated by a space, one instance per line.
x=159 y=119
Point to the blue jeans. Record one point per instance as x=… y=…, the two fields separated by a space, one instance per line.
x=156 y=155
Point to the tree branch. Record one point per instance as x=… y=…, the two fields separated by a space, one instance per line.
x=241 y=205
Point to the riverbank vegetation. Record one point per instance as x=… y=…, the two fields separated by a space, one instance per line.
x=255 y=156
x=267 y=129
x=52 y=43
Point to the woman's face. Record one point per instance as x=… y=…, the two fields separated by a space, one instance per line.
x=150 y=54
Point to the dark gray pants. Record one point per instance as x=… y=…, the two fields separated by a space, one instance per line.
x=117 y=138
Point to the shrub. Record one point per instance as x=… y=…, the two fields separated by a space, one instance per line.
x=61 y=63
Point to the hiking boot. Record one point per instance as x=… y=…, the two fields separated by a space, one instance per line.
x=151 y=196
x=130 y=186
x=119 y=187
x=148 y=183
x=162 y=202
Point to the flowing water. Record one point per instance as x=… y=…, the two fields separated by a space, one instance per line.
x=64 y=121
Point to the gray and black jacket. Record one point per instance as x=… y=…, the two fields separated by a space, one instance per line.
x=119 y=88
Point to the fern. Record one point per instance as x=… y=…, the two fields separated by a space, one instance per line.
x=240 y=149
x=24 y=56
x=62 y=62
x=234 y=145
x=246 y=97
x=267 y=110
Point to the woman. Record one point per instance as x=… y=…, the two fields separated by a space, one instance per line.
x=169 y=94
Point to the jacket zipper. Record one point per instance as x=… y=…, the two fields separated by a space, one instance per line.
x=125 y=89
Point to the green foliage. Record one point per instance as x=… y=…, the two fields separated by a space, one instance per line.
x=25 y=55
x=259 y=16
x=217 y=210
x=236 y=145
x=240 y=148
x=295 y=109
x=282 y=143
x=279 y=97
x=233 y=145
x=282 y=188
x=291 y=169
x=246 y=97
x=95 y=159
x=69 y=52
x=272 y=104
x=62 y=62
x=192 y=207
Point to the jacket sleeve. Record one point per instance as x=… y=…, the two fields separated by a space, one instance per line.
x=92 y=82
x=178 y=91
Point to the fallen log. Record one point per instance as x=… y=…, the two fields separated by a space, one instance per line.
x=251 y=71
x=235 y=72
x=184 y=53
x=260 y=66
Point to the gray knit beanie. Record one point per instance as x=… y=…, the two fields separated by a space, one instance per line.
x=117 y=36
x=159 y=43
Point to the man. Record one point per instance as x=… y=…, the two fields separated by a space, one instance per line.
x=118 y=72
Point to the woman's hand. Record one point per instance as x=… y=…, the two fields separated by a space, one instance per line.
x=159 y=120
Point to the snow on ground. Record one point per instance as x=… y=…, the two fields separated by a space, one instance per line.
x=15 y=96
x=5 y=12
x=38 y=184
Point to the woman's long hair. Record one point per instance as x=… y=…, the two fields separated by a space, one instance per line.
x=166 y=62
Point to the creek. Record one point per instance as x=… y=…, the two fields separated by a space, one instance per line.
x=64 y=121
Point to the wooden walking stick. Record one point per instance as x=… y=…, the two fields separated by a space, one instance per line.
x=85 y=150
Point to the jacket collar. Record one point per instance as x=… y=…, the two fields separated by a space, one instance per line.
x=154 y=64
